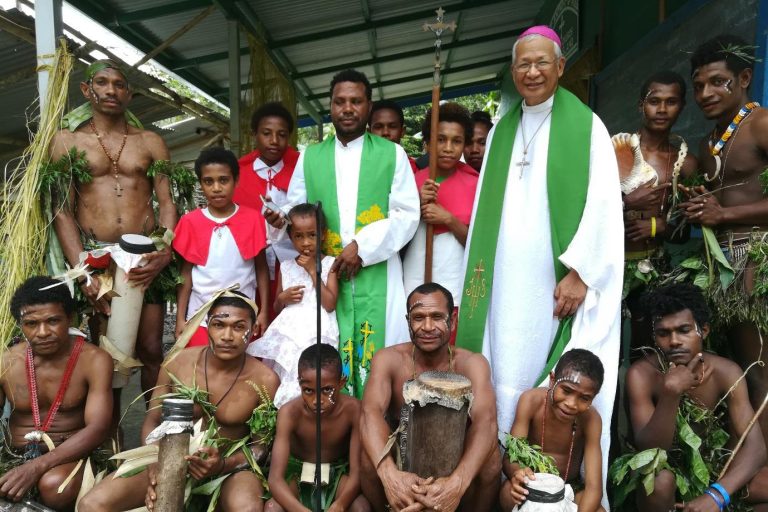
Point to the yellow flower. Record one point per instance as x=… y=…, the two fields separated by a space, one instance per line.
x=332 y=243
x=370 y=215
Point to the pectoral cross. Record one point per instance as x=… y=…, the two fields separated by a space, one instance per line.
x=118 y=189
x=521 y=164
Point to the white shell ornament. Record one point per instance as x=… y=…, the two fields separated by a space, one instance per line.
x=634 y=171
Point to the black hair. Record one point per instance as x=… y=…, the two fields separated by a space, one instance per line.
x=235 y=302
x=388 y=105
x=673 y=298
x=352 y=75
x=737 y=54
x=581 y=361
x=271 y=109
x=481 y=116
x=449 y=113
x=426 y=289
x=30 y=294
x=665 y=77
x=217 y=155
x=306 y=210
x=329 y=358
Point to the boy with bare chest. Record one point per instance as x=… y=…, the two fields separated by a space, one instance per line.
x=229 y=377
x=291 y=475
x=59 y=390
x=562 y=422
x=734 y=202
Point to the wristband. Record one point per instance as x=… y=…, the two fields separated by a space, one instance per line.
x=719 y=488
x=718 y=501
x=653 y=227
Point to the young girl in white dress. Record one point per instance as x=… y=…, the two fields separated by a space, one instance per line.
x=294 y=329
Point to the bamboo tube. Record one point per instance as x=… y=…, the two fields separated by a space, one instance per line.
x=171 y=465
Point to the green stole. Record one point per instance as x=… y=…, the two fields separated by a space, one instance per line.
x=362 y=303
x=567 y=180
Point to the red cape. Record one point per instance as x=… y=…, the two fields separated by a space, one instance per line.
x=456 y=193
x=250 y=185
x=192 y=237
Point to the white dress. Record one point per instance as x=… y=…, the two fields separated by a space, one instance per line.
x=294 y=330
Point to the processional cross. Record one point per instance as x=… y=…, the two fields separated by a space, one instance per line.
x=437 y=28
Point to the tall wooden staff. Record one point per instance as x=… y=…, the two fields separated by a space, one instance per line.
x=437 y=28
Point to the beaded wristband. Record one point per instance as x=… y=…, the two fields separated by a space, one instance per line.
x=718 y=500
x=719 y=488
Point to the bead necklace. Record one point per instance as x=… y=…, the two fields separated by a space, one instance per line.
x=716 y=147
x=118 y=188
x=544 y=429
x=33 y=448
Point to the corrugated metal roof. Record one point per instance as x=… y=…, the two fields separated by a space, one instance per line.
x=310 y=39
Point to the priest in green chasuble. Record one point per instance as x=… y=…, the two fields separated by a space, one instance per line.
x=545 y=248
x=372 y=208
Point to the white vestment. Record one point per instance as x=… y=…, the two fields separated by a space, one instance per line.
x=380 y=240
x=521 y=326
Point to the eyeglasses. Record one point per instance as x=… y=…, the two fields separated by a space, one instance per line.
x=541 y=65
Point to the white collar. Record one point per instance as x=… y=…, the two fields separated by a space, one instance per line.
x=544 y=106
x=260 y=165
x=351 y=144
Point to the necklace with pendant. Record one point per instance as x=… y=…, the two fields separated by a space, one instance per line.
x=113 y=160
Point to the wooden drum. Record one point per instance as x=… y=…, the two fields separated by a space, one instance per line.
x=434 y=423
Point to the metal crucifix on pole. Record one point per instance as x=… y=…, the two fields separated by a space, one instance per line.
x=437 y=28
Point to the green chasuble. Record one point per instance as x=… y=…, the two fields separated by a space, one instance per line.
x=568 y=158
x=362 y=302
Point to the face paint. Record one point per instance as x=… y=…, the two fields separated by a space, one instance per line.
x=219 y=315
x=415 y=305
x=93 y=93
x=246 y=336
x=330 y=398
x=698 y=330
x=727 y=86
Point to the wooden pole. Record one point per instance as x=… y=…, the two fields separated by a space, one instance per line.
x=744 y=436
x=438 y=28
x=183 y=30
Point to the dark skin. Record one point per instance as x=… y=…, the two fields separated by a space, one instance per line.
x=271 y=138
x=218 y=185
x=82 y=422
x=229 y=328
x=303 y=232
x=296 y=432
x=735 y=201
x=96 y=208
x=474 y=484
x=386 y=123
x=571 y=402
x=475 y=150
x=350 y=109
x=654 y=398
x=660 y=109
x=450 y=144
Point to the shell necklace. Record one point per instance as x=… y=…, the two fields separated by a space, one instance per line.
x=716 y=147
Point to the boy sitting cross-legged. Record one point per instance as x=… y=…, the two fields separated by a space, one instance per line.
x=291 y=479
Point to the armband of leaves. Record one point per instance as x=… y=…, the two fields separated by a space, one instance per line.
x=182 y=182
x=764 y=181
x=526 y=455
x=263 y=420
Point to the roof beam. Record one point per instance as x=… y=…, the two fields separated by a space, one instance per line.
x=372 y=43
x=244 y=14
x=141 y=39
x=383 y=22
x=156 y=12
x=206 y=59
x=429 y=50
x=428 y=74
